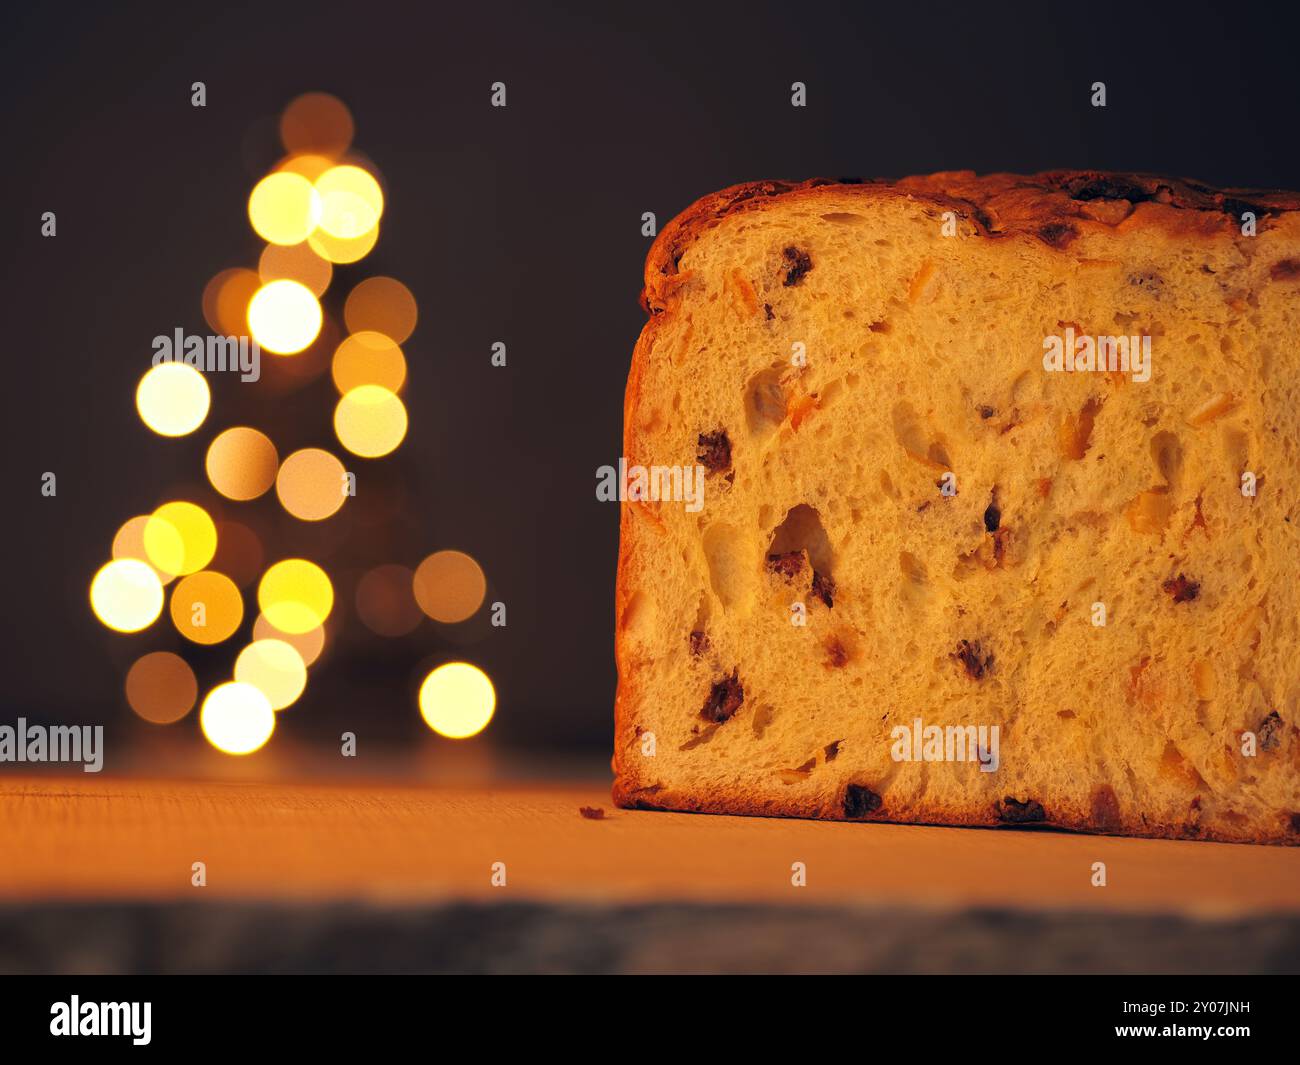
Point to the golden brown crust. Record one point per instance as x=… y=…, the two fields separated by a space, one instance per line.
x=1003 y=814
x=1052 y=206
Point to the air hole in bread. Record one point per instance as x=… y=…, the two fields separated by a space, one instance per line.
x=1203 y=678
x=802 y=531
x=765 y=401
x=1175 y=767
x=635 y=618
x=830 y=394
x=1236 y=449
x=912 y=568
x=915 y=439
x=799 y=773
x=725 y=553
x=1167 y=453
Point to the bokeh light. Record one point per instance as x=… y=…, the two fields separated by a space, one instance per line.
x=351 y=202
x=370 y=421
x=309 y=164
x=316 y=122
x=457 y=700
x=449 y=586
x=341 y=251
x=385 y=602
x=126 y=595
x=161 y=687
x=275 y=668
x=226 y=298
x=284 y=317
x=308 y=644
x=241 y=463
x=129 y=543
x=206 y=607
x=284 y=208
x=295 y=595
x=368 y=358
x=237 y=718
x=295 y=262
x=173 y=398
x=383 y=305
x=180 y=538
x=311 y=484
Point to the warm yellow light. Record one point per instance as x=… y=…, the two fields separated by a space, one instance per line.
x=180 y=538
x=295 y=262
x=370 y=421
x=351 y=202
x=237 y=718
x=284 y=208
x=316 y=122
x=206 y=607
x=129 y=543
x=309 y=164
x=275 y=668
x=383 y=305
x=225 y=300
x=126 y=595
x=241 y=463
x=284 y=317
x=338 y=250
x=161 y=688
x=449 y=586
x=368 y=358
x=308 y=644
x=457 y=700
x=311 y=484
x=295 y=595
x=173 y=399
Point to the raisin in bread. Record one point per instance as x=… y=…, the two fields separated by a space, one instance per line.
x=919 y=521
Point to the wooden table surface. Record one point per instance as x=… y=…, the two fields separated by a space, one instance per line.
x=96 y=876
x=82 y=838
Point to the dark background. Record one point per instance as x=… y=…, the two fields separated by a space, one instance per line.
x=520 y=225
